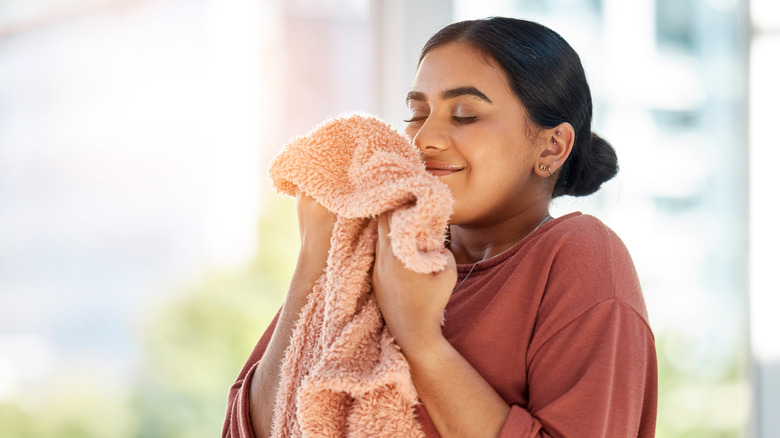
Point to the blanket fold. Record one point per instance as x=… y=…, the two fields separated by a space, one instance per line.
x=343 y=375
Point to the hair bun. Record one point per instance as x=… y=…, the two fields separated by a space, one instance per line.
x=588 y=168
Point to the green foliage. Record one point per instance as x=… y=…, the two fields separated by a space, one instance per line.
x=75 y=406
x=192 y=347
x=697 y=400
x=196 y=344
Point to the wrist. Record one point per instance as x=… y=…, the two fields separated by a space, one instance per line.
x=311 y=263
x=314 y=254
x=424 y=349
x=307 y=272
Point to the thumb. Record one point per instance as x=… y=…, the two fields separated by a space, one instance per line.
x=383 y=229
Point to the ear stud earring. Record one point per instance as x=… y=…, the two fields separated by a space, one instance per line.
x=542 y=167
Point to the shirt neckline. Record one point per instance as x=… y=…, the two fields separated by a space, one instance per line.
x=497 y=259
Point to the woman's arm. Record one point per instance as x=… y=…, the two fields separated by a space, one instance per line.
x=315 y=225
x=458 y=399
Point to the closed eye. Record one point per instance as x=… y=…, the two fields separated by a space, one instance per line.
x=416 y=119
x=464 y=120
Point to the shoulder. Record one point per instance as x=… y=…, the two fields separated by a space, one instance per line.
x=589 y=264
x=584 y=247
x=583 y=232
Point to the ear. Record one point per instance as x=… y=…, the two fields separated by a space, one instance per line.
x=555 y=146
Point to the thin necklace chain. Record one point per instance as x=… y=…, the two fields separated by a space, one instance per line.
x=546 y=218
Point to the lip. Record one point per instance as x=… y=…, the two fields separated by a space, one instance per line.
x=440 y=168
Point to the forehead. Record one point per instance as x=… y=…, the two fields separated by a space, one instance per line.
x=460 y=64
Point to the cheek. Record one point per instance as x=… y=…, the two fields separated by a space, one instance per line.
x=501 y=171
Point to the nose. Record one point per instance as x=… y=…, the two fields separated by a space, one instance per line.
x=430 y=136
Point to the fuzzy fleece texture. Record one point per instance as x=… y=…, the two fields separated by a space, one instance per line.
x=343 y=375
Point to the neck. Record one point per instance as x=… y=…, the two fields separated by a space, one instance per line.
x=471 y=244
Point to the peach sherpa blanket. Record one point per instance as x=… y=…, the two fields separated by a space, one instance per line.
x=343 y=375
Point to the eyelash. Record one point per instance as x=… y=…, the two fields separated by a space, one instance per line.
x=464 y=120
x=416 y=119
x=456 y=119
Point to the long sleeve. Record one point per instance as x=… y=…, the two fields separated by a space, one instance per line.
x=238 y=422
x=596 y=377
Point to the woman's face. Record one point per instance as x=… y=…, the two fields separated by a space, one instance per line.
x=472 y=132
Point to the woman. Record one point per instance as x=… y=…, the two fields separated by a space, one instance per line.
x=546 y=329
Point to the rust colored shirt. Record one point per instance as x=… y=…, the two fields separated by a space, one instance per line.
x=557 y=325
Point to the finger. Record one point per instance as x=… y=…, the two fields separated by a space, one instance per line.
x=381 y=236
x=383 y=244
x=383 y=229
x=451 y=263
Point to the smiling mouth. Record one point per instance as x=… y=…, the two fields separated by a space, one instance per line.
x=437 y=168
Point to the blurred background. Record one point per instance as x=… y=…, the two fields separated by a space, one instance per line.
x=143 y=252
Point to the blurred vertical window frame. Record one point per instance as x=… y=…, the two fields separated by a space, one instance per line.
x=764 y=237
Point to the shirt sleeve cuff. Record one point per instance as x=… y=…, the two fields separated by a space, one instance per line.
x=519 y=423
x=241 y=421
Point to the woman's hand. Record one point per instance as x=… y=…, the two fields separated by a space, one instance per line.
x=315 y=226
x=411 y=303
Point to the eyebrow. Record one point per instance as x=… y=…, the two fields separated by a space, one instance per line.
x=450 y=94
